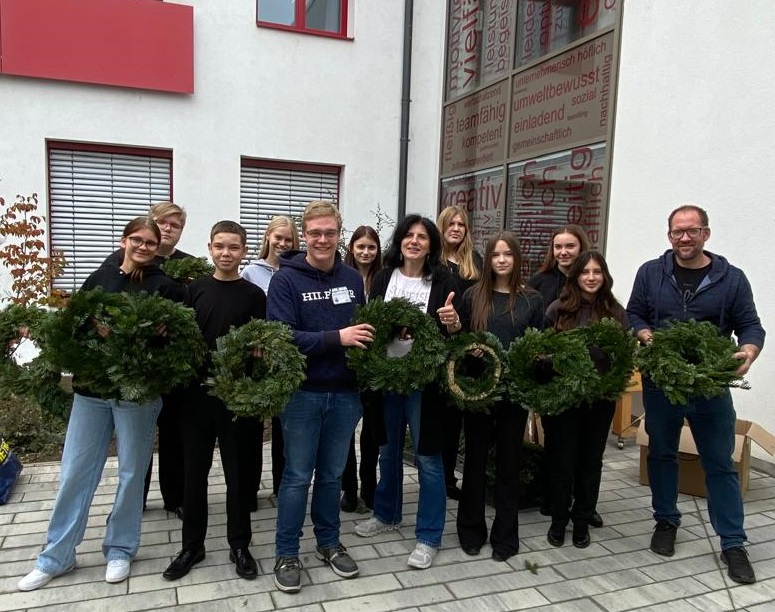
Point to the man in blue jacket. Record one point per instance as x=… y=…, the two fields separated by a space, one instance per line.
x=316 y=295
x=691 y=283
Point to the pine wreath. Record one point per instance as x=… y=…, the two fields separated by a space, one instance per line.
x=35 y=379
x=419 y=367
x=690 y=358
x=257 y=386
x=187 y=269
x=153 y=346
x=618 y=348
x=148 y=344
x=550 y=372
x=475 y=383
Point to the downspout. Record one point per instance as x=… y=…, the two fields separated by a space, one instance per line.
x=406 y=86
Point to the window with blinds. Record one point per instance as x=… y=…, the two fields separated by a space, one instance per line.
x=93 y=193
x=269 y=188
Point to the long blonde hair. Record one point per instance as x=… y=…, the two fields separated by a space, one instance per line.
x=464 y=252
x=278 y=221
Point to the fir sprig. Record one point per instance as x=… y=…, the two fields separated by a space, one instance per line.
x=187 y=269
x=257 y=386
x=550 y=372
x=690 y=358
x=475 y=383
x=419 y=367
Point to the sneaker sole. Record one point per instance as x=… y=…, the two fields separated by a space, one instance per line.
x=384 y=529
x=335 y=569
x=285 y=588
x=420 y=566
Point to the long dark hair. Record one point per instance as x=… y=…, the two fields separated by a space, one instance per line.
x=571 y=298
x=481 y=292
x=575 y=230
x=433 y=269
x=365 y=231
x=139 y=223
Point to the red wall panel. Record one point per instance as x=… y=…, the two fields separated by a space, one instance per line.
x=144 y=44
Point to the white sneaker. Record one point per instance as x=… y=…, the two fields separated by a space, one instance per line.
x=372 y=527
x=37 y=578
x=422 y=556
x=117 y=570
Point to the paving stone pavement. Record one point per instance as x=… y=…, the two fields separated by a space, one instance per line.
x=615 y=574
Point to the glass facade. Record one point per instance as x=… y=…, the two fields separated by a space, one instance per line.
x=527 y=122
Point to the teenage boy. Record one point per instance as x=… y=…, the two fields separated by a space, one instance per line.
x=316 y=295
x=221 y=301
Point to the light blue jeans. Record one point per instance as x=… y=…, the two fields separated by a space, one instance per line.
x=91 y=426
x=317 y=427
x=401 y=410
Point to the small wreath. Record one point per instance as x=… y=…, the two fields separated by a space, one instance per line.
x=690 y=358
x=35 y=379
x=550 y=372
x=257 y=386
x=187 y=269
x=404 y=375
x=119 y=345
x=475 y=383
x=618 y=349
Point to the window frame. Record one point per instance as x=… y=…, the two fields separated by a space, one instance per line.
x=97 y=240
x=300 y=26
x=251 y=219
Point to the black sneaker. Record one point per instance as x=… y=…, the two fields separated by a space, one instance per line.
x=287 y=574
x=738 y=566
x=663 y=540
x=339 y=560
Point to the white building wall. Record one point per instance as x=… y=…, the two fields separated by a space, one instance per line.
x=694 y=123
x=259 y=92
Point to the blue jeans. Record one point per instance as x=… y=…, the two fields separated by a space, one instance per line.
x=712 y=422
x=91 y=426
x=317 y=428
x=401 y=410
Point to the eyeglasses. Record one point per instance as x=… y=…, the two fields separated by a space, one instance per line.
x=318 y=234
x=169 y=224
x=137 y=242
x=692 y=232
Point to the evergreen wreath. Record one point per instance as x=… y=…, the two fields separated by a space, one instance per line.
x=129 y=346
x=690 y=358
x=475 y=383
x=35 y=379
x=404 y=375
x=550 y=371
x=257 y=386
x=187 y=269
x=618 y=347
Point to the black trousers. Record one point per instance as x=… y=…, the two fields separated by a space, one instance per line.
x=369 y=457
x=505 y=427
x=206 y=420
x=453 y=421
x=170 y=453
x=577 y=439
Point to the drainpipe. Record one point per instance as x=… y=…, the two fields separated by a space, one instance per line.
x=406 y=85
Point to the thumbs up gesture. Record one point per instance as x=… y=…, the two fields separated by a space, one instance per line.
x=448 y=315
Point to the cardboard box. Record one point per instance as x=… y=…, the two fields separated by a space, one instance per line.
x=691 y=477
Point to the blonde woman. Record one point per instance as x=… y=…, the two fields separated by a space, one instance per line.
x=465 y=265
x=281 y=235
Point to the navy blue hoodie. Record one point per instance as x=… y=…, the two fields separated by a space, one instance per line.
x=724 y=298
x=301 y=296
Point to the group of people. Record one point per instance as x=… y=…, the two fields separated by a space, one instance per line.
x=316 y=293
